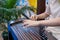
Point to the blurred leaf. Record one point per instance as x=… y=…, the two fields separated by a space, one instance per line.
x=8 y=12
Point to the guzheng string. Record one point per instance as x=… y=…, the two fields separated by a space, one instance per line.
x=25 y=34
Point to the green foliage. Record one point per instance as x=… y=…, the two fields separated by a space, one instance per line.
x=7 y=3
x=10 y=3
x=9 y=12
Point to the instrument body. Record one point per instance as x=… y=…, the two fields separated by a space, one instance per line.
x=19 y=32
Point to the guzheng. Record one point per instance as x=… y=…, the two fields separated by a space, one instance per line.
x=23 y=33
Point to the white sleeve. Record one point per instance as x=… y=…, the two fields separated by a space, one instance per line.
x=48 y=8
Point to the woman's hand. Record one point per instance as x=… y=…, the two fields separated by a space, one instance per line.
x=30 y=23
x=34 y=17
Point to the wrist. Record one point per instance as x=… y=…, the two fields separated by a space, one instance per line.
x=37 y=16
x=42 y=22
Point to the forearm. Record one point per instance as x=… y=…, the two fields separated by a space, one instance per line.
x=42 y=16
x=51 y=22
